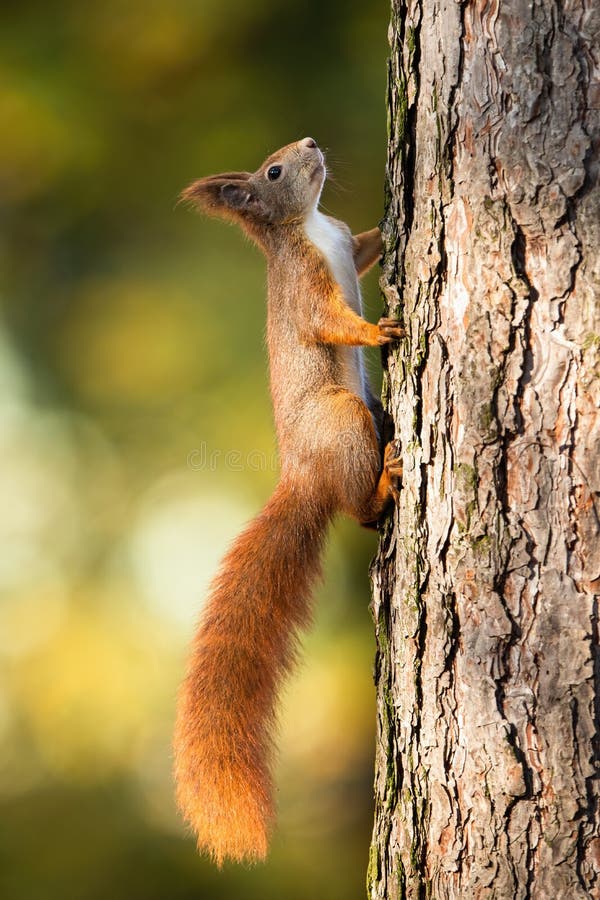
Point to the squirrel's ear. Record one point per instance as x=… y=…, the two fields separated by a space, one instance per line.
x=227 y=194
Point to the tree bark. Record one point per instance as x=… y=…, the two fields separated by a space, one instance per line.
x=487 y=580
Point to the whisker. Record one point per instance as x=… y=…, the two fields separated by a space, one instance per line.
x=337 y=186
x=325 y=208
x=338 y=161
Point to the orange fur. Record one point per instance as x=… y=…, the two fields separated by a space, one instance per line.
x=326 y=421
x=243 y=648
x=368 y=248
x=336 y=323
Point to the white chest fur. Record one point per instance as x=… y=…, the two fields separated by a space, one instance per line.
x=336 y=247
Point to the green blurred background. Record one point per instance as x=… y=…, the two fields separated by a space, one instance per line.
x=131 y=363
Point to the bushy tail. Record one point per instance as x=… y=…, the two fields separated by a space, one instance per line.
x=244 y=647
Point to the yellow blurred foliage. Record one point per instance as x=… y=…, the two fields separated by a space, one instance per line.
x=97 y=691
x=39 y=142
x=136 y=436
x=130 y=341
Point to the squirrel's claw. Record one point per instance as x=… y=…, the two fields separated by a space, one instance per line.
x=390 y=330
x=392 y=463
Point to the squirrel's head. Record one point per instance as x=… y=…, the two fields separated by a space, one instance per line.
x=284 y=189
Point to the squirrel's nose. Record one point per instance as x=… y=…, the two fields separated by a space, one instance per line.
x=309 y=143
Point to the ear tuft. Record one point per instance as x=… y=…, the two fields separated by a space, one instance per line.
x=228 y=195
x=206 y=192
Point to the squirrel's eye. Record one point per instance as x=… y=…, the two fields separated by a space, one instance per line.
x=273 y=173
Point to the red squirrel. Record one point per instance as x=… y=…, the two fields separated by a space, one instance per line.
x=327 y=429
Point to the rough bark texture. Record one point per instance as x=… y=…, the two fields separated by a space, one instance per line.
x=487 y=581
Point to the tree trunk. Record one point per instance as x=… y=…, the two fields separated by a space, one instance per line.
x=487 y=581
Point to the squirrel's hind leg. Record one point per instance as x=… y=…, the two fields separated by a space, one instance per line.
x=387 y=488
x=362 y=486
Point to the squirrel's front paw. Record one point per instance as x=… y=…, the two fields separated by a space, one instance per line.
x=389 y=330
